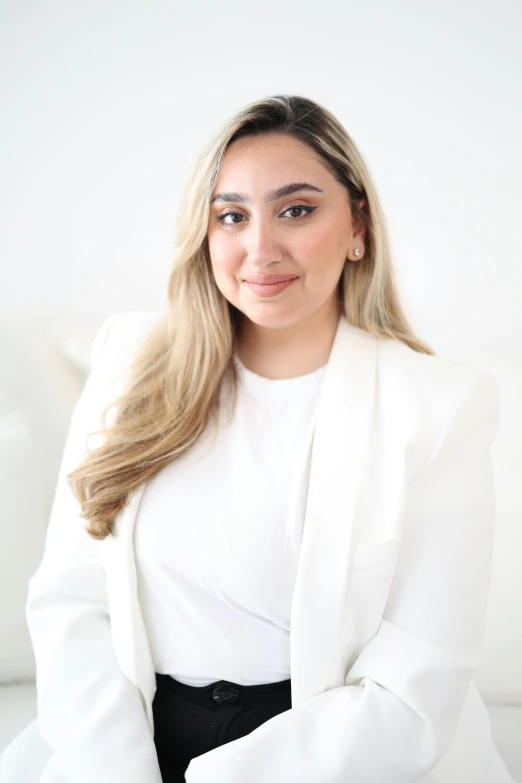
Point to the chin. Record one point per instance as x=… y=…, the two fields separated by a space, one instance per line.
x=272 y=316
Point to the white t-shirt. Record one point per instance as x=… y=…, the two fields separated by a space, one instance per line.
x=218 y=534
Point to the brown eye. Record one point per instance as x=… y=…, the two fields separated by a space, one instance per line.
x=308 y=210
x=221 y=218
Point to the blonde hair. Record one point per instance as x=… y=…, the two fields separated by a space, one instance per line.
x=174 y=381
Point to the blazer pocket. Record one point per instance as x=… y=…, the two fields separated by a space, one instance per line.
x=376 y=554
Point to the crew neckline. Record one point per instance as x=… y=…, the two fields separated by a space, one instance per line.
x=277 y=388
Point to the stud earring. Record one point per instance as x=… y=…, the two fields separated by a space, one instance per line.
x=356 y=251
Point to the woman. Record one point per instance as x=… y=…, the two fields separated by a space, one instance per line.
x=290 y=511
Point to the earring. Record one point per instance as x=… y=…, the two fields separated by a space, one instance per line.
x=356 y=251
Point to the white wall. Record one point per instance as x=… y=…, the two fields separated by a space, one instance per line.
x=105 y=104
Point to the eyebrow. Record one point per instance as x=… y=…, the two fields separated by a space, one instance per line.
x=272 y=195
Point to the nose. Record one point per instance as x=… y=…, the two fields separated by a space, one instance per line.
x=262 y=243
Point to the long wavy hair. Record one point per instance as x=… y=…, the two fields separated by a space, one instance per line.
x=173 y=385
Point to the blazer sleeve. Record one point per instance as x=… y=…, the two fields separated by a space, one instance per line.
x=89 y=713
x=397 y=713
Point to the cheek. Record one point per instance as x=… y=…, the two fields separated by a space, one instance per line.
x=216 y=246
x=321 y=249
x=225 y=261
x=223 y=253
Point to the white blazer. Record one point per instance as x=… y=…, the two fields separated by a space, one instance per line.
x=388 y=611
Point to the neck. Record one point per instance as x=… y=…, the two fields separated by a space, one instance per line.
x=290 y=351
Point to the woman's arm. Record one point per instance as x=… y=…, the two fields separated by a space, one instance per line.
x=396 y=715
x=88 y=711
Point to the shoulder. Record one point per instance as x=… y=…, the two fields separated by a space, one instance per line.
x=112 y=352
x=121 y=333
x=429 y=377
x=435 y=394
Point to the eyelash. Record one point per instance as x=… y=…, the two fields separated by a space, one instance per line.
x=308 y=210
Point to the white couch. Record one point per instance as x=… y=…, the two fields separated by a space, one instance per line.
x=45 y=360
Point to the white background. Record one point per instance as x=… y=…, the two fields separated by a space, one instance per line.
x=104 y=106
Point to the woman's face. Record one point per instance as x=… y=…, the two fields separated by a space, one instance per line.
x=254 y=231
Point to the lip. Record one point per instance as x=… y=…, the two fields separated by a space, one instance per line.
x=271 y=289
x=269 y=279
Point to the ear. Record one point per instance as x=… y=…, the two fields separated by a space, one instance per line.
x=359 y=229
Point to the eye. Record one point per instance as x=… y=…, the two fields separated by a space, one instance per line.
x=221 y=218
x=307 y=209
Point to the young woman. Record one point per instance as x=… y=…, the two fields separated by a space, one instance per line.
x=273 y=563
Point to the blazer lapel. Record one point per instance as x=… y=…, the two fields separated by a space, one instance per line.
x=322 y=636
x=129 y=636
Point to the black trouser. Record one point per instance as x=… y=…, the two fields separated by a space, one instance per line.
x=189 y=721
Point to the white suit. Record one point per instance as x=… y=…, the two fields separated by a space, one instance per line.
x=388 y=610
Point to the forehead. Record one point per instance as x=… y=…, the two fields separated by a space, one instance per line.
x=255 y=159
